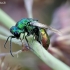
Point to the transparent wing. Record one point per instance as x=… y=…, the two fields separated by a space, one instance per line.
x=35 y=23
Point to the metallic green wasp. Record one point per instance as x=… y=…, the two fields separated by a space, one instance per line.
x=31 y=27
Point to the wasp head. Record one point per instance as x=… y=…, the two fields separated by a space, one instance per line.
x=15 y=31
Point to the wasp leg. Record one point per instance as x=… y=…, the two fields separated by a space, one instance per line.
x=40 y=37
x=33 y=37
x=23 y=45
x=22 y=39
x=6 y=41
x=24 y=36
x=11 y=45
x=28 y=44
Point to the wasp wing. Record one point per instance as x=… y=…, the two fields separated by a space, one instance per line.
x=35 y=23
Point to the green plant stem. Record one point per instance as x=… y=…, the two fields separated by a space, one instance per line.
x=36 y=47
x=44 y=55
x=6 y=20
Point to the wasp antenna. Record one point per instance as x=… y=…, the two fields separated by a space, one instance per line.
x=6 y=41
x=11 y=45
x=54 y=30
